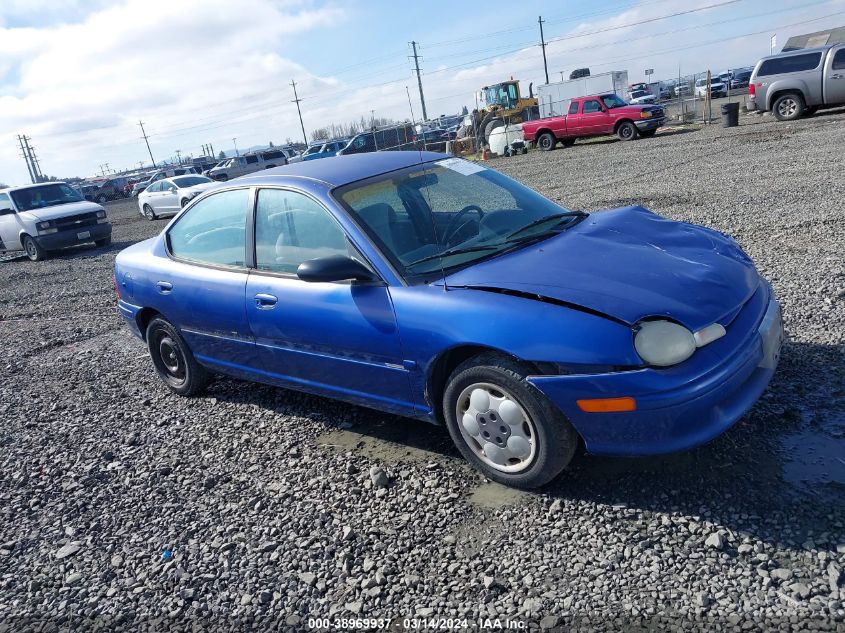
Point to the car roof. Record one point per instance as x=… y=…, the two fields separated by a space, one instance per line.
x=798 y=51
x=341 y=170
x=32 y=185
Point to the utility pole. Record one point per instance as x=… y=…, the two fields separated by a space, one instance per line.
x=147 y=141
x=543 y=45
x=419 y=80
x=373 y=119
x=235 y=141
x=33 y=159
x=561 y=75
x=140 y=164
x=296 y=100
x=179 y=156
x=211 y=147
x=26 y=158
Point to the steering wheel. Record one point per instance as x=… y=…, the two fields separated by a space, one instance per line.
x=454 y=227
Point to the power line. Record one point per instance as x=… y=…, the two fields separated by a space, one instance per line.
x=419 y=80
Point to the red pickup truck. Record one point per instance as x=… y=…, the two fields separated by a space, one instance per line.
x=596 y=115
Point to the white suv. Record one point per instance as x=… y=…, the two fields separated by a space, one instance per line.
x=49 y=216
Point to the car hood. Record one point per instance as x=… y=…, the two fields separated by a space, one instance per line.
x=62 y=210
x=627 y=264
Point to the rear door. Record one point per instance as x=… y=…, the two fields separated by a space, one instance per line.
x=834 y=74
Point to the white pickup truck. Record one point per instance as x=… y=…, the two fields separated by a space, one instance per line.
x=798 y=82
x=44 y=217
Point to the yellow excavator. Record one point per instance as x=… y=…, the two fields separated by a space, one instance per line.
x=502 y=103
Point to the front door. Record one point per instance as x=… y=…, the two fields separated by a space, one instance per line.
x=338 y=339
x=168 y=200
x=594 y=118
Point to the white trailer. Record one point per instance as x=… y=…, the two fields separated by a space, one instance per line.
x=554 y=98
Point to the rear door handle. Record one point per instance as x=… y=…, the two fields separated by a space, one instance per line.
x=265 y=301
x=164 y=287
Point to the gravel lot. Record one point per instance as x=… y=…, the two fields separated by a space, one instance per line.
x=126 y=508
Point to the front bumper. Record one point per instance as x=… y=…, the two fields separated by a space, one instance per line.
x=73 y=237
x=644 y=125
x=682 y=406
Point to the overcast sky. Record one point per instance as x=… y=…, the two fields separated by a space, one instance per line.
x=78 y=75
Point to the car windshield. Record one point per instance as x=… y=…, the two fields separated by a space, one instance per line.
x=44 y=196
x=638 y=93
x=190 y=181
x=314 y=149
x=449 y=213
x=613 y=101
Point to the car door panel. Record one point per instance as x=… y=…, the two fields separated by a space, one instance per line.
x=834 y=79
x=338 y=339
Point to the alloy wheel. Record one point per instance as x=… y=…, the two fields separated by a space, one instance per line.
x=496 y=427
x=788 y=107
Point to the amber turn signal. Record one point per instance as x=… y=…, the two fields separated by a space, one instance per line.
x=607 y=405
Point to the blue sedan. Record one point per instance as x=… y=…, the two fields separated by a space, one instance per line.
x=439 y=289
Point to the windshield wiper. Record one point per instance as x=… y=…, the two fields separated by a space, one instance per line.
x=455 y=251
x=557 y=217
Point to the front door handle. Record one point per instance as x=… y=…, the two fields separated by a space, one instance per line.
x=836 y=76
x=265 y=301
x=164 y=287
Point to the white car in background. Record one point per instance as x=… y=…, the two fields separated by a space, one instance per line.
x=167 y=196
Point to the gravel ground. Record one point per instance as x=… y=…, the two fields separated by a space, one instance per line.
x=126 y=508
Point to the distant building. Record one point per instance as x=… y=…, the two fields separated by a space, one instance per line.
x=811 y=40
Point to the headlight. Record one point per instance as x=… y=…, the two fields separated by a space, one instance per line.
x=101 y=213
x=663 y=343
x=46 y=227
x=645 y=114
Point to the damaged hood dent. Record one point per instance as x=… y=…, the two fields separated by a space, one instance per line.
x=626 y=264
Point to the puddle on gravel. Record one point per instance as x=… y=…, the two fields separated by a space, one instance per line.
x=814 y=457
x=492 y=496
x=375 y=447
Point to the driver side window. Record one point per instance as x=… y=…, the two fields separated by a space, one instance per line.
x=213 y=231
x=291 y=228
x=591 y=106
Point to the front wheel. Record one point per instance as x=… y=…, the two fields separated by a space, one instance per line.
x=173 y=360
x=627 y=131
x=546 y=141
x=504 y=426
x=33 y=249
x=788 y=107
x=149 y=213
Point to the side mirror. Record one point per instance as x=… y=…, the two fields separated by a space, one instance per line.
x=7 y=211
x=334 y=268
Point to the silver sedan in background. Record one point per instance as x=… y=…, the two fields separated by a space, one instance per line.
x=167 y=196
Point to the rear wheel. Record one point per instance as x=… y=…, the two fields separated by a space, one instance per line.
x=504 y=426
x=149 y=213
x=788 y=107
x=33 y=249
x=173 y=360
x=627 y=131
x=183 y=202
x=546 y=141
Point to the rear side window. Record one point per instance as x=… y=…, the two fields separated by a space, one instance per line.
x=839 y=60
x=251 y=159
x=5 y=201
x=213 y=231
x=792 y=64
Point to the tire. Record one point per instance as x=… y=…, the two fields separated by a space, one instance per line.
x=489 y=123
x=627 y=131
x=546 y=141
x=106 y=241
x=183 y=202
x=788 y=107
x=149 y=213
x=34 y=250
x=648 y=133
x=522 y=455
x=101 y=199
x=173 y=360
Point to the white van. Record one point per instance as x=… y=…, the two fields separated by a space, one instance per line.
x=48 y=216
